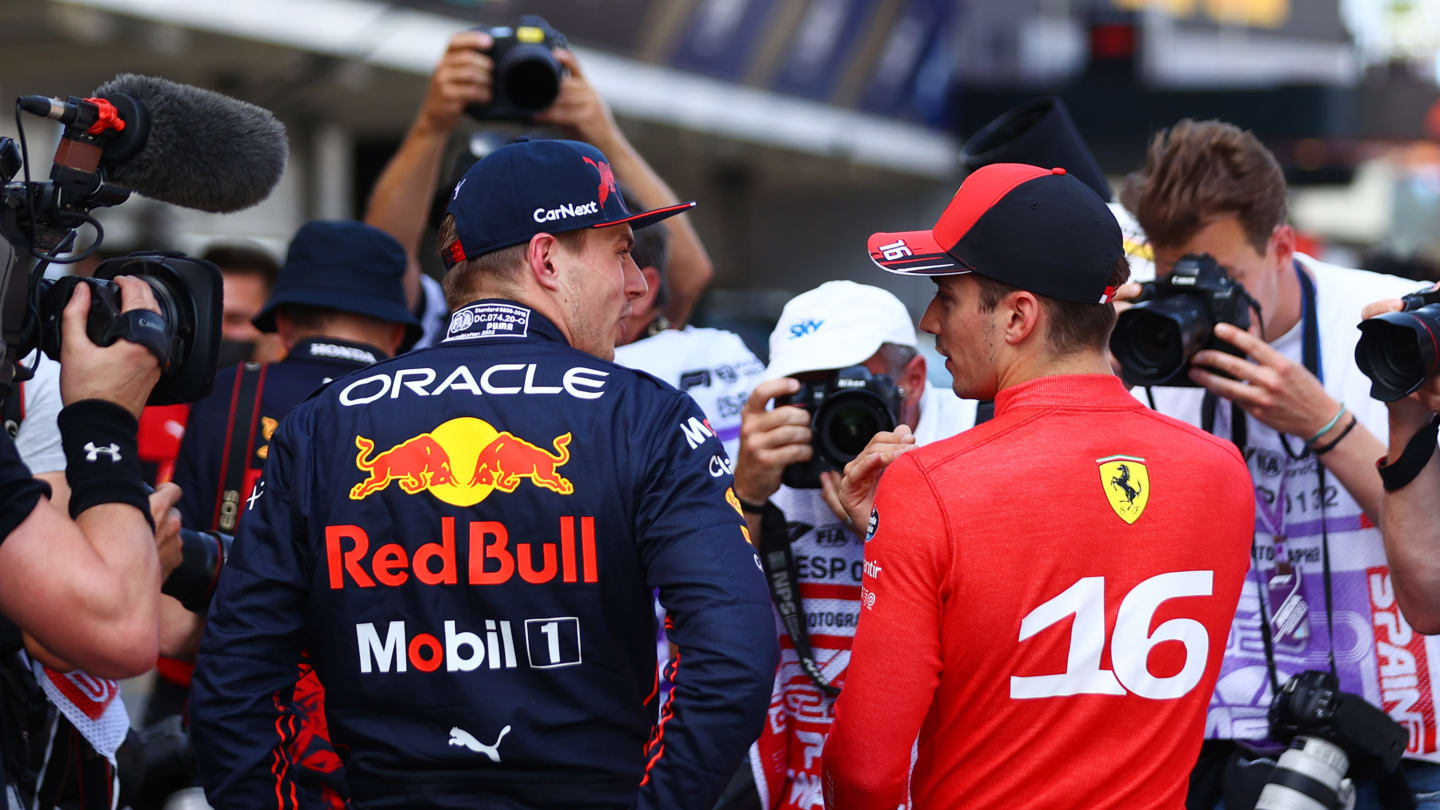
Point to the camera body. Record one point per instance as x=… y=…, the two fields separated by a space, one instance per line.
x=847 y=408
x=1398 y=350
x=186 y=336
x=1328 y=730
x=526 y=78
x=1174 y=318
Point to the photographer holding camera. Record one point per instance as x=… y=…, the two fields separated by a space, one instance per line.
x=1410 y=514
x=840 y=340
x=1212 y=200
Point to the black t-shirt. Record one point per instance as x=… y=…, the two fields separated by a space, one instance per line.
x=19 y=490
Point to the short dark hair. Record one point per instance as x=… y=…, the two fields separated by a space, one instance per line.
x=464 y=281
x=242 y=259
x=1199 y=170
x=1073 y=327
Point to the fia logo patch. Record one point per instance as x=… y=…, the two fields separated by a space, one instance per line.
x=1126 y=483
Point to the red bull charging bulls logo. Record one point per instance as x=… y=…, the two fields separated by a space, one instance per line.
x=437 y=462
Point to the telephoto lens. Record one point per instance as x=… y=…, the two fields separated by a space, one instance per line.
x=1399 y=351
x=1309 y=776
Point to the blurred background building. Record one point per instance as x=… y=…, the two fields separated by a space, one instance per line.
x=801 y=126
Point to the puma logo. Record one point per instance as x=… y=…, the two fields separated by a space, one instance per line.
x=459 y=736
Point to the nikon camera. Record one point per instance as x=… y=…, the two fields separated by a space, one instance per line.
x=1328 y=730
x=1174 y=318
x=1398 y=350
x=527 y=76
x=847 y=408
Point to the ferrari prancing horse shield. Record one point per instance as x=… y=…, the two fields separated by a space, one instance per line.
x=1127 y=485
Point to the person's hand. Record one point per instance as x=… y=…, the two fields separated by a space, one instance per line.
x=167 y=527
x=123 y=372
x=579 y=108
x=855 y=492
x=769 y=440
x=1274 y=389
x=1127 y=293
x=463 y=77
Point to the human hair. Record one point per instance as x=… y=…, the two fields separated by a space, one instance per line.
x=474 y=277
x=241 y=259
x=897 y=357
x=1073 y=326
x=1199 y=170
x=651 y=249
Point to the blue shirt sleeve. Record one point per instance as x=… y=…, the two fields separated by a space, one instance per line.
x=245 y=677
x=695 y=549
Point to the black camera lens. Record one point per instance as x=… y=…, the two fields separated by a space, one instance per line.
x=531 y=76
x=1398 y=351
x=1154 y=340
x=846 y=423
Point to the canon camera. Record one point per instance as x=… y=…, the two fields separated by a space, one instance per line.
x=1329 y=731
x=526 y=77
x=1174 y=318
x=1397 y=350
x=847 y=408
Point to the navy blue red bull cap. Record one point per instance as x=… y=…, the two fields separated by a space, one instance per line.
x=1036 y=229
x=529 y=187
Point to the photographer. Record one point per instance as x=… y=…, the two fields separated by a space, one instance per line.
x=835 y=326
x=1301 y=413
x=402 y=196
x=1410 y=514
x=110 y=583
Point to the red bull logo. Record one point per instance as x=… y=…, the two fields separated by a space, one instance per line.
x=497 y=460
x=607 y=179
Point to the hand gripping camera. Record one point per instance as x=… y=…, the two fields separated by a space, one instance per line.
x=527 y=76
x=1328 y=730
x=847 y=408
x=1399 y=351
x=1174 y=318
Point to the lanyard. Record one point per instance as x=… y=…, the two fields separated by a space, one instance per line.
x=783 y=576
x=1310 y=356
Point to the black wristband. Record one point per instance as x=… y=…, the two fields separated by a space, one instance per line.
x=102 y=462
x=1412 y=459
x=752 y=508
x=1322 y=449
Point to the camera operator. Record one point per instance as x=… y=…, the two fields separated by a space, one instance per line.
x=402 y=196
x=1410 y=514
x=1300 y=412
x=835 y=326
x=1073 y=500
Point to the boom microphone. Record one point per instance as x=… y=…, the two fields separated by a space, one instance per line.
x=191 y=147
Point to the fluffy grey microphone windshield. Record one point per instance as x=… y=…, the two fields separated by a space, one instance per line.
x=205 y=150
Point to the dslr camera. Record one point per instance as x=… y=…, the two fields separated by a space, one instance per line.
x=1174 y=318
x=1397 y=350
x=847 y=408
x=1327 y=730
x=527 y=76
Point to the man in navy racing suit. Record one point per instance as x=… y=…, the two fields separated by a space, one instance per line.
x=466 y=539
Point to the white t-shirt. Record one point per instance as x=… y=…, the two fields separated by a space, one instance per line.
x=711 y=365
x=830 y=559
x=434 y=315
x=1377 y=655
x=38 y=439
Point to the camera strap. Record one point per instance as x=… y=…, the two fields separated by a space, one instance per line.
x=1310 y=357
x=783 y=577
x=235 y=457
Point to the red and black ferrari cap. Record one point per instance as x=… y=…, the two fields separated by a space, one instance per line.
x=1037 y=229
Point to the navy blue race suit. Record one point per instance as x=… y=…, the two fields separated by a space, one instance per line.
x=466 y=540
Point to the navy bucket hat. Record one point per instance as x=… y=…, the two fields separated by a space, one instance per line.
x=529 y=187
x=347 y=266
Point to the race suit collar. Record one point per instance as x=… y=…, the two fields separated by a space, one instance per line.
x=1065 y=391
x=491 y=318
x=334 y=350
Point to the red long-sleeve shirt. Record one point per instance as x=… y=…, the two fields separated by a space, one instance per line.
x=1045 y=603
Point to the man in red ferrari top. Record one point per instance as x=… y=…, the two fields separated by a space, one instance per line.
x=1046 y=596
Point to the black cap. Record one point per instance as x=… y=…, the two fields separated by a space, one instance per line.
x=1040 y=133
x=346 y=266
